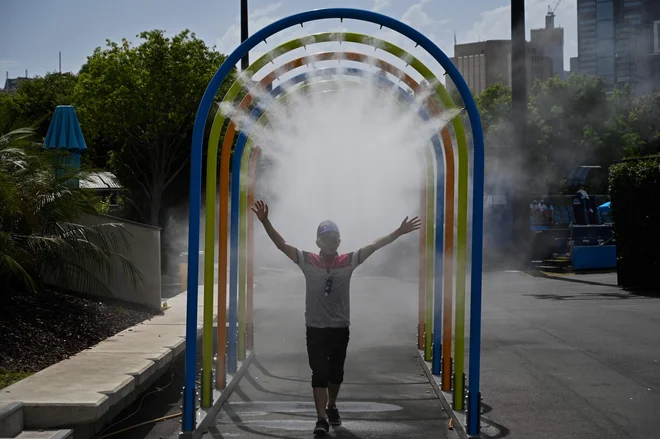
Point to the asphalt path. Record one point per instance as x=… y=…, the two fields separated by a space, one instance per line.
x=566 y=357
x=570 y=357
x=385 y=393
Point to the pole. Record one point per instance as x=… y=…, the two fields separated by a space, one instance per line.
x=422 y=264
x=245 y=61
x=60 y=62
x=250 y=267
x=518 y=111
x=430 y=254
x=519 y=75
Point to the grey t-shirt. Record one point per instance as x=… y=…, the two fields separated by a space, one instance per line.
x=328 y=288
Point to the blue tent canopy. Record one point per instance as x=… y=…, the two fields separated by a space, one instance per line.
x=64 y=131
x=604 y=213
x=64 y=134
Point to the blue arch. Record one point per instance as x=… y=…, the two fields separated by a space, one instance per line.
x=196 y=185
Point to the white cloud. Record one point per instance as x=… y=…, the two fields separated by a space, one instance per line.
x=259 y=18
x=492 y=25
x=5 y=66
x=416 y=16
x=379 y=5
x=266 y=10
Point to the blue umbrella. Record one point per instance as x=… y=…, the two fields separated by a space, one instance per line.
x=64 y=134
x=604 y=212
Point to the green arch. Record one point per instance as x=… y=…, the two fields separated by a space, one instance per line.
x=462 y=199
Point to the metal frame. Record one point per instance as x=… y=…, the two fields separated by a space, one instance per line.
x=477 y=211
x=424 y=328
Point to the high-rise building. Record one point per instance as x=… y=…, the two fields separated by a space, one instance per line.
x=596 y=58
x=615 y=41
x=488 y=62
x=551 y=42
x=655 y=52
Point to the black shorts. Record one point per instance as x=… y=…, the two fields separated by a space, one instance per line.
x=326 y=350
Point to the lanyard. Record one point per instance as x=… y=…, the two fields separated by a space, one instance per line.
x=325 y=265
x=328 y=282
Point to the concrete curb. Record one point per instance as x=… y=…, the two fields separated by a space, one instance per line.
x=91 y=388
x=458 y=417
x=62 y=434
x=487 y=428
x=206 y=416
x=11 y=419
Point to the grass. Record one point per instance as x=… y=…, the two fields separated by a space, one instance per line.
x=9 y=377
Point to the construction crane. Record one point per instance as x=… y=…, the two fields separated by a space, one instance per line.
x=550 y=16
x=553 y=8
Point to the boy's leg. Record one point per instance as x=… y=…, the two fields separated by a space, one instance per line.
x=317 y=353
x=333 y=391
x=339 y=345
x=320 y=401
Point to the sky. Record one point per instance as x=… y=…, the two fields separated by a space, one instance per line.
x=32 y=32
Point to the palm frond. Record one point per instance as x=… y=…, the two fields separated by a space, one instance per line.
x=11 y=268
x=16 y=136
x=41 y=237
x=73 y=276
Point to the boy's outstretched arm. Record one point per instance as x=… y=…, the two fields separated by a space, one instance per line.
x=261 y=210
x=407 y=226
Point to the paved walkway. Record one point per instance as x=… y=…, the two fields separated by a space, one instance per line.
x=385 y=393
x=561 y=358
x=570 y=357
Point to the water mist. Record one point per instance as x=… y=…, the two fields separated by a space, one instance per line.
x=349 y=152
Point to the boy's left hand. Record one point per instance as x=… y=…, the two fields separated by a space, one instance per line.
x=409 y=225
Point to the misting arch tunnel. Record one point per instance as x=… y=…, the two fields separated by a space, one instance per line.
x=439 y=196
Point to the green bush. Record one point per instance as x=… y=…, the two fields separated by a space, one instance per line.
x=40 y=236
x=635 y=196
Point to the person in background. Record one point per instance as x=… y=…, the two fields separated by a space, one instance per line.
x=551 y=213
x=532 y=212
x=583 y=193
x=542 y=208
x=327 y=305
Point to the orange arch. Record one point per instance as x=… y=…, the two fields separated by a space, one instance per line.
x=449 y=195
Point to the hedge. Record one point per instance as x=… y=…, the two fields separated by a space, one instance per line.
x=635 y=197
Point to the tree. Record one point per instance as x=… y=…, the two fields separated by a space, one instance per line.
x=40 y=234
x=570 y=116
x=635 y=192
x=35 y=100
x=634 y=125
x=137 y=107
x=495 y=109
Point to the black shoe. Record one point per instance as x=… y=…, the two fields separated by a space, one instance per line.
x=333 y=415
x=322 y=427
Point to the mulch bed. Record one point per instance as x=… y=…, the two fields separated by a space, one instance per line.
x=38 y=330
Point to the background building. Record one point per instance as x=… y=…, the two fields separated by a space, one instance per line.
x=488 y=62
x=11 y=84
x=655 y=53
x=550 y=40
x=616 y=41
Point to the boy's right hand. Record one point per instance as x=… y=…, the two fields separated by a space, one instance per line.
x=261 y=210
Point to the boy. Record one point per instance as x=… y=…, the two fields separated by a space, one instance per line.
x=327 y=305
